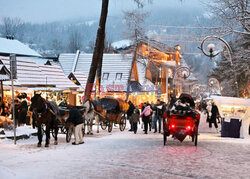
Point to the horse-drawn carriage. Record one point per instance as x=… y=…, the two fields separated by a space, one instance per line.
x=111 y=111
x=182 y=120
x=46 y=113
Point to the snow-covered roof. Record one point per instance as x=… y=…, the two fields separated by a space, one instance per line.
x=41 y=60
x=56 y=76
x=8 y=46
x=121 y=44
x=28 y=73
x=231 y=101
x=66 y=61
x=146 y=84
x=112 y=65
x=81 y=78
x=31 y=74
x=4 y=73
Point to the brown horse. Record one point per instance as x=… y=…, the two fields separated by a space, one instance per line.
x=44 y=112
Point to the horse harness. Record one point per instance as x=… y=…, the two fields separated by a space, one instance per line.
x=46 y=108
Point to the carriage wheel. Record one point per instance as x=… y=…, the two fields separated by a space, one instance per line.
x=164 y=139
x=103 y=125
x=69 y=134
x=110 y=126
x=196 y=138
x=122 y=124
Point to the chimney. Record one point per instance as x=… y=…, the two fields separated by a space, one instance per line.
x=10 y=37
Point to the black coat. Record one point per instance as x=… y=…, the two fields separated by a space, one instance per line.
x=75 y=116
x=130 y=109
x=24 y=106
x=158 y=111
x=214 y=112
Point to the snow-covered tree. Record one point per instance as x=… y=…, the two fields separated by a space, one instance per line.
x=233 y=14
x=135 y=31
x=12 y=27
x=75 y=41
x=99 y=47
x=57 y=46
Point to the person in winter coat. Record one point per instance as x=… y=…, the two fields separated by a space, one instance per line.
x=146 y=114
x=153 y=115
x=135 y=119
x=150 y=117
x=142 y=116
x=75 y=117
x=214 y=112
x=208 y=112
x=129 y=114
x=158 y=116
x=23 y=109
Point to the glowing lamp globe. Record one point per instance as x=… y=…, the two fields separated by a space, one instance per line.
x=211 y=47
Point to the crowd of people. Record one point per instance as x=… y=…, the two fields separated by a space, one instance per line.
x=151 y=115
x=148 y=115
x=21 y=108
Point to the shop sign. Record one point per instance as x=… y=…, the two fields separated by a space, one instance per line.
x=13 y=66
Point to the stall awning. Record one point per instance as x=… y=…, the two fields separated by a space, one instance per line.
x=4 y=73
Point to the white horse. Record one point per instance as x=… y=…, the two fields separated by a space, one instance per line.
x=90 y=115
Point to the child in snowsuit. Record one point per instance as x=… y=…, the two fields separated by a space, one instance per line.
x=135 y=119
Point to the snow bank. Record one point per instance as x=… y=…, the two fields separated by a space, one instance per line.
x=23 y=130
x=6 y=173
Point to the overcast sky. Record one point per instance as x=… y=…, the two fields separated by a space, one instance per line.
x=39 y=11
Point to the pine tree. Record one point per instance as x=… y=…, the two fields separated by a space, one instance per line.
x=241 y=61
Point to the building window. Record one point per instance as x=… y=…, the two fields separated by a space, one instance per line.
x=105 y=76
x=118 y=76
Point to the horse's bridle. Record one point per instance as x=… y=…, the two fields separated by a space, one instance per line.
x=42 y=110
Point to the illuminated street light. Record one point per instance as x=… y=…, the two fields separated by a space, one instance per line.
x=185 y=73
x=213 y=82
x=211 y=54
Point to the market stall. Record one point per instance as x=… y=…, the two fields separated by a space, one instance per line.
x=235 y=108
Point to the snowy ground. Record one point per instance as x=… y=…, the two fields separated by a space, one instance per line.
x=126 y=155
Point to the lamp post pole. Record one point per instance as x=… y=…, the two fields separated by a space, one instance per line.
x=13 y=76
x=211 y=54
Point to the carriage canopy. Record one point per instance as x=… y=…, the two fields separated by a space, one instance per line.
x=111 y=105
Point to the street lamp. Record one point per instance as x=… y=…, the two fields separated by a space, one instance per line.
x=211 y=48
x=212 y=53
x=195 y=90
x=212 y=82
x=185 y=73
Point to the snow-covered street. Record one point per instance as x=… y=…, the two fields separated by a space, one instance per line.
x=126 y=155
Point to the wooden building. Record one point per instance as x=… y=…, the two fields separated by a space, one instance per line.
x=115 y=75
